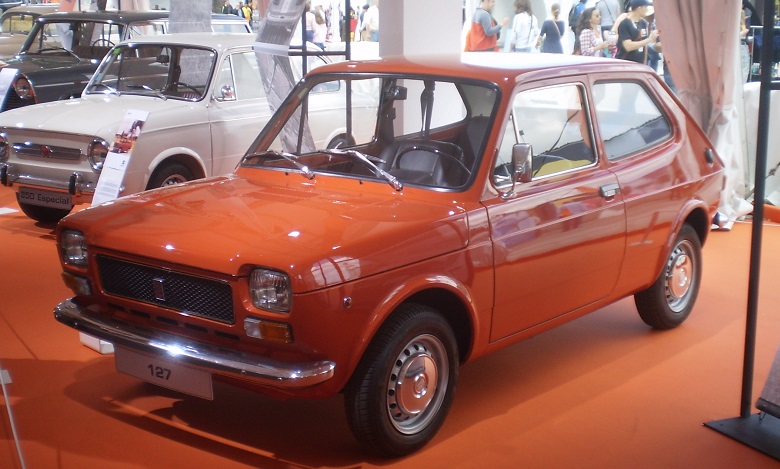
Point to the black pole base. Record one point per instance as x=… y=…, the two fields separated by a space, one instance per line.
x=759 y=431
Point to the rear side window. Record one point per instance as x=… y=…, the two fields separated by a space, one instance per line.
x=628 y=118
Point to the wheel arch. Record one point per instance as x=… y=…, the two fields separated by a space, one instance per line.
x=186 y=159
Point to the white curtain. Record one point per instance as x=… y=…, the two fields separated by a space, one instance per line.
x=701 y=45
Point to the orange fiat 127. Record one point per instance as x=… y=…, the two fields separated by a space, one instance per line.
x=498 y=196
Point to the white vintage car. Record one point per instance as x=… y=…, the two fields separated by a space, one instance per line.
x=206 y=103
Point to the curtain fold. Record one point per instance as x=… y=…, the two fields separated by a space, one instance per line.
x=701 y=46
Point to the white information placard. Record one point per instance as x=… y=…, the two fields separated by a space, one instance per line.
x=109 y=183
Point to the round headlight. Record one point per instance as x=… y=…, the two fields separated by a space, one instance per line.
x=96 y=153
x=73 y=246
x=23 y=88
x=270 y=290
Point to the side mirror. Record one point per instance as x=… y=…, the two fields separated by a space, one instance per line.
x=522 y=168
x=226 y=93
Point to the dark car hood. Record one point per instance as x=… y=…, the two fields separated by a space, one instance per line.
x=320 y=238
x=34 y=64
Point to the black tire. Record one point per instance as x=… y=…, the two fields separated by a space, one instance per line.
x=169 y=175
x=43 y=214
x=404 y=385
x=341 y=141
x=669 y=301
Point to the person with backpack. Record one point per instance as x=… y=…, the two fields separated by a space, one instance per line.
x=574 y=14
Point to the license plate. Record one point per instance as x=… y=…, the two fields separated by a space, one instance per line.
x=45 y=198
x=164 y=373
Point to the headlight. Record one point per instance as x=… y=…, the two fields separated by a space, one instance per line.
x=270 y=290
x=73 y=246
x=23 y=88
x=96 y=153
x=3 y=146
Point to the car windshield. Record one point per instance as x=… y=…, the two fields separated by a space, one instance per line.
x=83 y=39
x=165 y=71
x=401 y=130
x=19 y=23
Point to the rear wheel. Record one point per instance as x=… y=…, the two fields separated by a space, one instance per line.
x=43 y=214
x=669 y=301
x=403 y=387
x=168 y=175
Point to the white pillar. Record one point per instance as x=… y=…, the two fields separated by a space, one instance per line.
x=412 y=27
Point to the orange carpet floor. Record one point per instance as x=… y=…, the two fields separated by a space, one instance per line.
x=603 y=391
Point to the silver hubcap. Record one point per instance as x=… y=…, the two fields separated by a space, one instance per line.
x=417 y=382
x=172 y=180
x=679 y=276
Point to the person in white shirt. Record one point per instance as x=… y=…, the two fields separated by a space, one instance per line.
x=525 y=29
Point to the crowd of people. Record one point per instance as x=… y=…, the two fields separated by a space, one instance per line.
x=610 y=28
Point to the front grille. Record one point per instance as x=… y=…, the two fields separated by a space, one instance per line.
x=197 y=296
x=46 y=151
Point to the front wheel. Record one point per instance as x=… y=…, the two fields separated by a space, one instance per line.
x=43 y=214
x=168 y=175
x=669 y=301
x=404 y=385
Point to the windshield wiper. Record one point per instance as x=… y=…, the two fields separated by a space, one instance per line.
x=110 y=89
x=305 y=171
x=363 y=158
x=148 y=88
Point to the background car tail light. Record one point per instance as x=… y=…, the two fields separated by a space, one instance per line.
x=23 y=88
x=96 y=153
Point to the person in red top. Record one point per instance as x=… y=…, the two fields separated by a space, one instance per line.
x=484 y=31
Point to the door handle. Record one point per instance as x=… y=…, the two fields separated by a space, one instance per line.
x=609 y=191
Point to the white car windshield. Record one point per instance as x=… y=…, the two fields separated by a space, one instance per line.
x=165 y=71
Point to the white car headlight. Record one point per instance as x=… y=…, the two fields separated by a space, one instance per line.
x=73 y=245
x=270 y=290
x=23 y=88
x=96 y=153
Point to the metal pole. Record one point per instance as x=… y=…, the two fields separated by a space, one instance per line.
x=767 y=50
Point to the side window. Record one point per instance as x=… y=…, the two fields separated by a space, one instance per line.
x=248 y=84
x=554 y=120
x=628 y=118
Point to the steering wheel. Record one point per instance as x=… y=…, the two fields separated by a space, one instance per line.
x=102 y=42
x=434 y=150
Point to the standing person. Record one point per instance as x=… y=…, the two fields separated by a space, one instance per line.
x=552 y=32
x=483 y=35
x=239 y=11
x=247 y=11
x=362 y=26
x=633 y=37
x=610 y=10
x=525 y=29
x=309 y=16
x=574 y=14
x=591 y=41
x=320 y=27
x=372 y=22
x=227 y=8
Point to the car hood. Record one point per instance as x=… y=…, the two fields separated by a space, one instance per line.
x=318 y=237
x=91 y=115
x=31 y=63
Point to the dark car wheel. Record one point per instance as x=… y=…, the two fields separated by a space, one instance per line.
x=669 y=301
x=43 y=214
x=169 y=175
x=403 y=387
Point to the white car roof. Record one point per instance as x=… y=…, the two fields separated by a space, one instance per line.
x=218 y=41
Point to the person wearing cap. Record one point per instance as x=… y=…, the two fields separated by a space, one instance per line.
x=633 y=37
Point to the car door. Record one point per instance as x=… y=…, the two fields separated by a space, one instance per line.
x=238 y=110
x=559 y=240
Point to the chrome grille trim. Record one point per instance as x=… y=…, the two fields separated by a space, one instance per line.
x=46 y=151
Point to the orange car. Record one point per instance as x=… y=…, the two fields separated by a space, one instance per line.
x=498 y=196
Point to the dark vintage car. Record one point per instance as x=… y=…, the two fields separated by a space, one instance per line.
x=64 y=49
x=499 y=195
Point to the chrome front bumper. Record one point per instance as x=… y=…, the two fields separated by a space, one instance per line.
x=75 y=184
x=254 y=368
